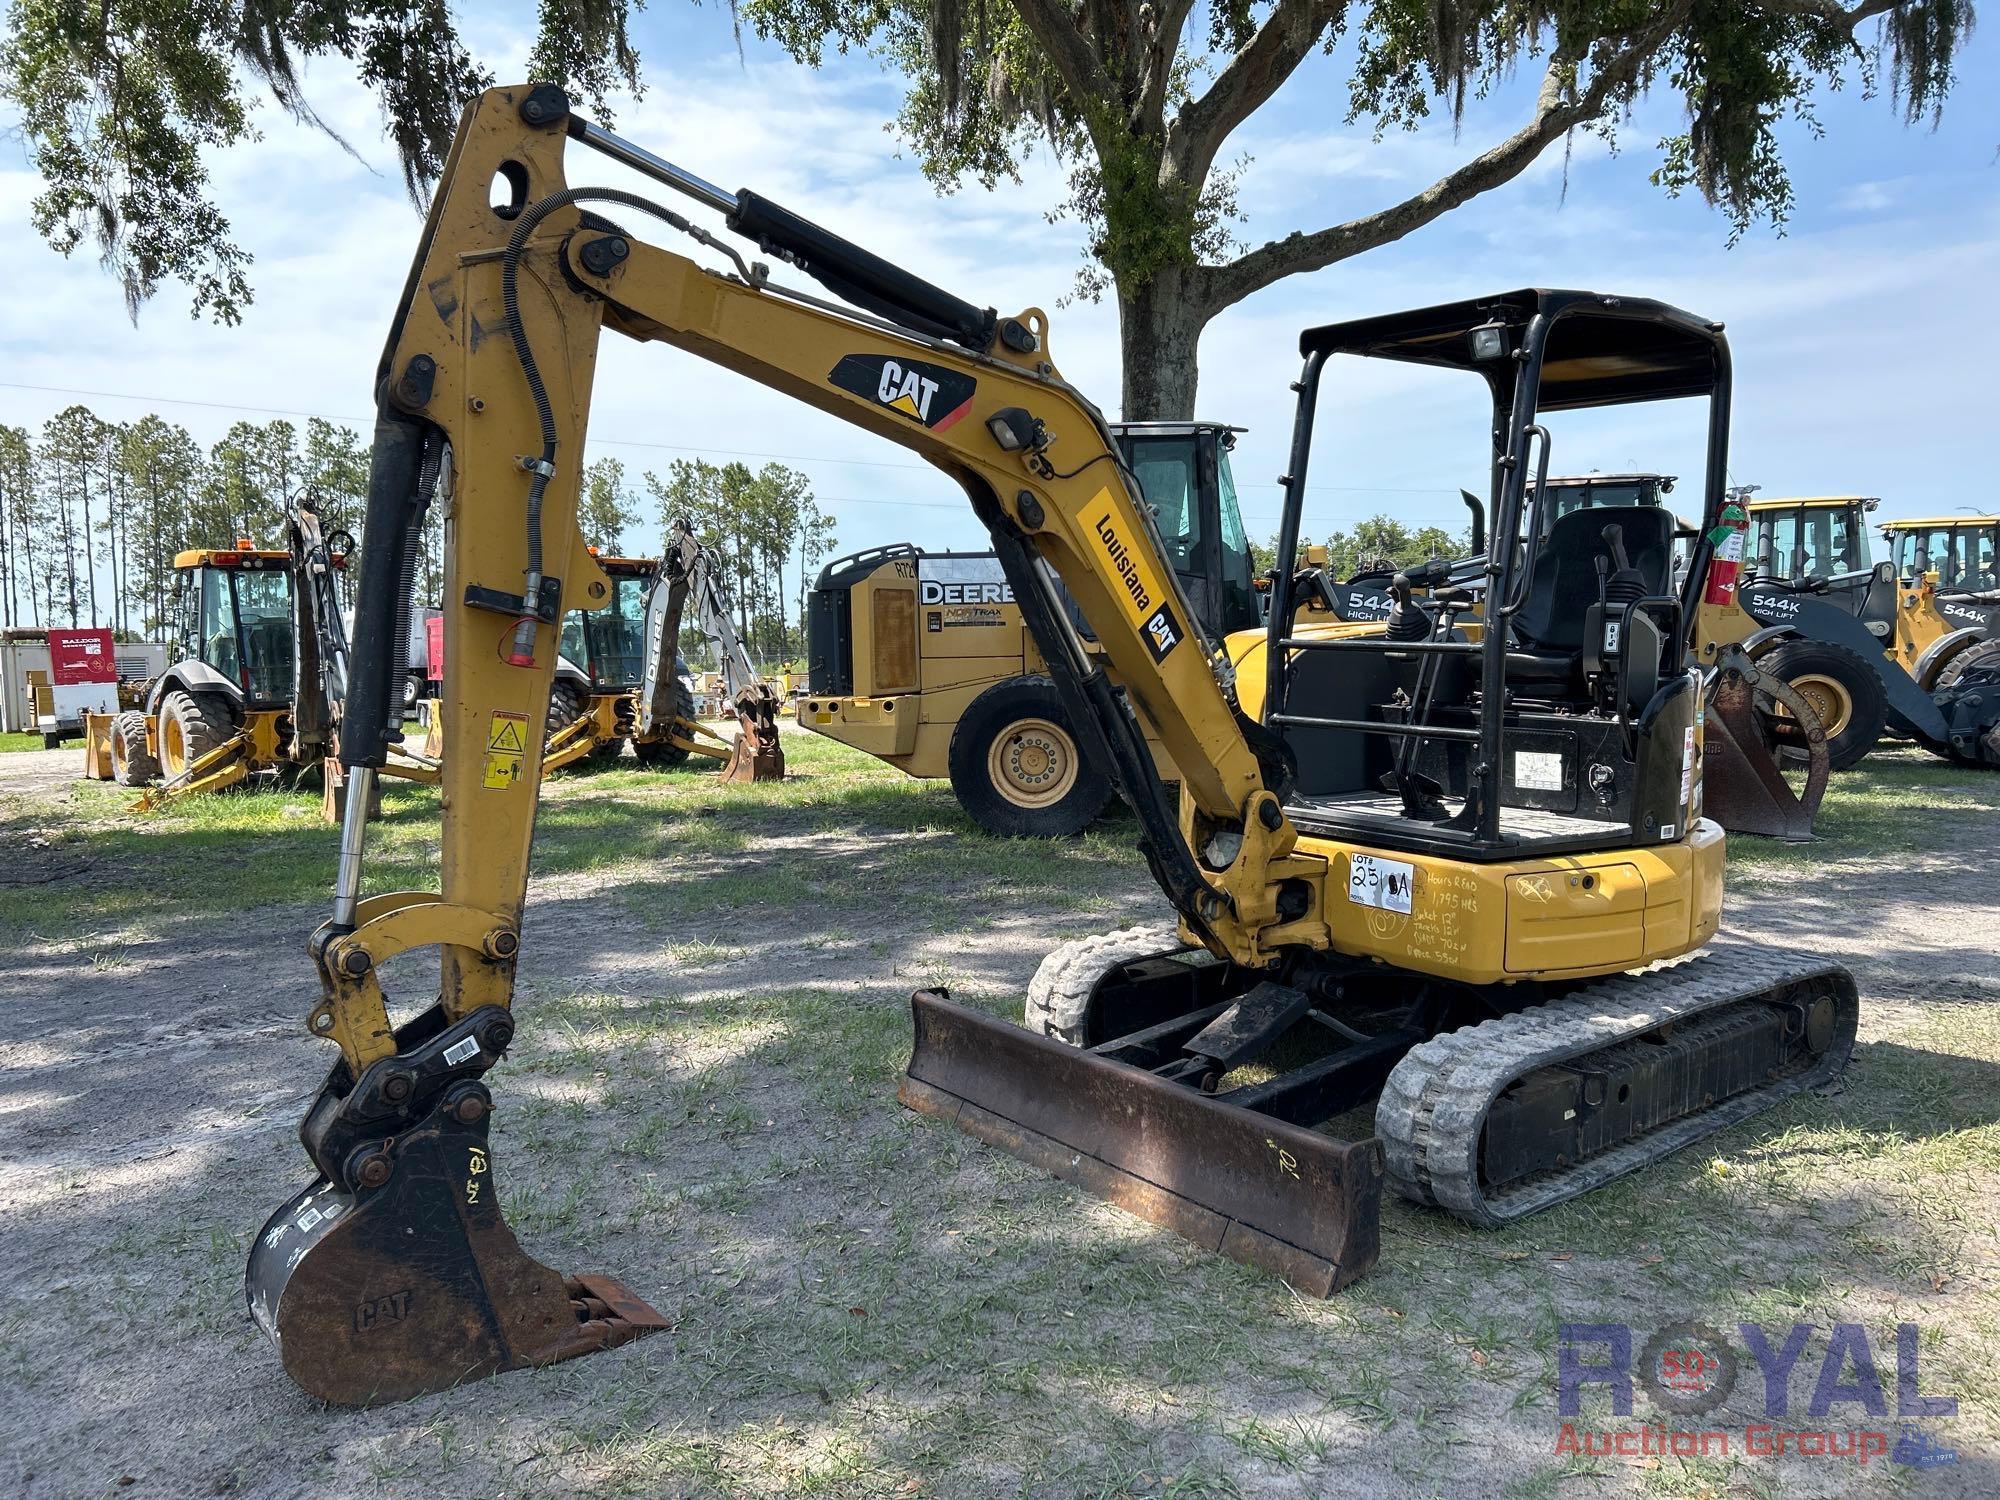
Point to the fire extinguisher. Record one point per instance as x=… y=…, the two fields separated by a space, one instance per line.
x=1725 y=564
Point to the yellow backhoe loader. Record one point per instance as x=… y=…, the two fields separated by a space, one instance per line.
x=594 y=701
x=1473 y=942
x=258 y=688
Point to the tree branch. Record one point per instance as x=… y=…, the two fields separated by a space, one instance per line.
x=1165 y=47
x=1076 y=61
x=1556 y=113
x=1832 y=10
x=1249 y=80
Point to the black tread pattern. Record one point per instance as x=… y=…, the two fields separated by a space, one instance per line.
x=1432 y=1111
x=1059 y=994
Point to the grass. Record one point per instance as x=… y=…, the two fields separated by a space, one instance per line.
x=865 y=1302
x=19 y=742
x=1892 y=805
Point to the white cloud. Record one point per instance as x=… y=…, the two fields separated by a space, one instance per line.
x=1854 y=368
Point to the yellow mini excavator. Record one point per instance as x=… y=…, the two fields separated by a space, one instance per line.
x=1443 y=864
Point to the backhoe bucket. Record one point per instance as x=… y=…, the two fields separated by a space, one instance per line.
x=1291 y=1201
x=1742 y=787
x=417 y=1284
x=757 y=755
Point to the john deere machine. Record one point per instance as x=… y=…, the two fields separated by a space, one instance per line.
x=1474 y=944
x=258 y=687
x=1886 y=644
x=924 y=658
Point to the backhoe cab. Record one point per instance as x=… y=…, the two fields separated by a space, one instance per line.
x=923 y=659
x=1423 y=865
x=594 y=703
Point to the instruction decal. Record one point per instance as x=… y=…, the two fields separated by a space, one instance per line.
x=930 y=395
x=1132 y=560
x=1384 y=884
x=506 y=749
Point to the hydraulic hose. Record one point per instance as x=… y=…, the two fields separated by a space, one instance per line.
x=412 y=544
x=543 y=468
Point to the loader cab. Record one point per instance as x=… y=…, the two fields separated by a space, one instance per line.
x=236 y=620
x=1182 y=469
x=1818 y=545
x=608 y=644
x=1964 y=551
x=1542 y=705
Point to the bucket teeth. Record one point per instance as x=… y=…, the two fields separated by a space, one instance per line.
x=415 y=1283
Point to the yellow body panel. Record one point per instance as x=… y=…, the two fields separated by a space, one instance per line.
x=907 y=718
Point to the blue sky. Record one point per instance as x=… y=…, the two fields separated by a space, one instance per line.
x=1859 y=338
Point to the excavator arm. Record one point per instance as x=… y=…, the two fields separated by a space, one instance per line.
x=483 y=402
x=687 y=571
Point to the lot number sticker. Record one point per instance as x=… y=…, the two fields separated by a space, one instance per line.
x=1380 y=883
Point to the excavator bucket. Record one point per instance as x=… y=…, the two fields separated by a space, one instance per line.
x=415 y=1283
x=1742 y=787
x=757 y=755
x=1274 y=1195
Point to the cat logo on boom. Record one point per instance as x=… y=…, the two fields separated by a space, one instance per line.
x=928 y=394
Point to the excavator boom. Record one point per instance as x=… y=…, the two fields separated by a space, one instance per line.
x=484 y=390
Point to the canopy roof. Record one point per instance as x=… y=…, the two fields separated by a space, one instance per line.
x=1601 y=350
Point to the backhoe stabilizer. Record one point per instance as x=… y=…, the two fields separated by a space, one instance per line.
x=417 y=1283
x=1301 y=1205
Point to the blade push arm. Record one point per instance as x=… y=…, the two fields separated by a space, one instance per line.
x=491 y=361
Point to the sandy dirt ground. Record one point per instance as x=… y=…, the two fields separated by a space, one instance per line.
x=702 y=1101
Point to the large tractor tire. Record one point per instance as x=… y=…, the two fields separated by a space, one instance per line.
x=1981 y=656
x=659 y=755
x=1017 y=767
x=567 y=703
x=191 y=725
x=131 y=761
x=1843 y=689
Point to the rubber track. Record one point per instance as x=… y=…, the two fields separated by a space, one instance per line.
x=1059 y=994
x=1432 y=1111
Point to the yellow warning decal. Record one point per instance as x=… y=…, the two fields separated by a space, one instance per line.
x=1130 y=557
x=506 y=749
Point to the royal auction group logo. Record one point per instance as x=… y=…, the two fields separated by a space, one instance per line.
x=1687 y=1370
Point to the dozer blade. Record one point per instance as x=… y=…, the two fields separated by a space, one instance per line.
x=1742 y=787
x=417 y=1284
x=1262 y=1191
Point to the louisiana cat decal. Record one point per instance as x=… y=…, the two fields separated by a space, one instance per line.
x=928 y=394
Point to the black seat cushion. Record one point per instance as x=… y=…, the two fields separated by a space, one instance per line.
x=1563 y=584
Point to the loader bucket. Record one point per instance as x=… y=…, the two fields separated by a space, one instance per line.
x=417 y=1284
x=1742 y=787
x=1270 y=1194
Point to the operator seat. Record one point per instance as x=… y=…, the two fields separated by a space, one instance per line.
x=1547 y=648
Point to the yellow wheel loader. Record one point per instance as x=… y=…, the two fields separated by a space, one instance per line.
x=1903 y=645
x=924 y=659
x=1479 y=943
